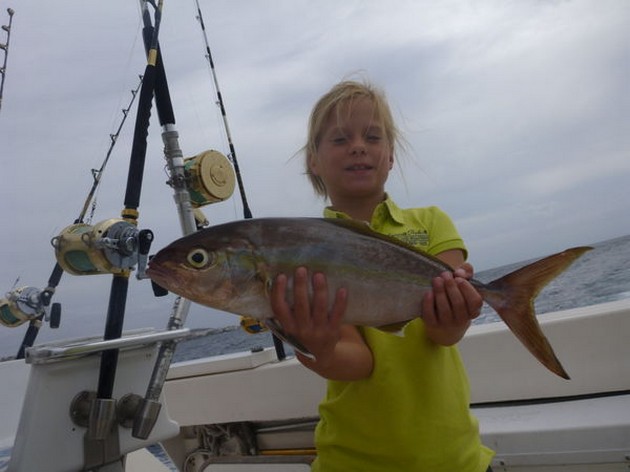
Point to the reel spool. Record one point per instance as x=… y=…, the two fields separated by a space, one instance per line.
x=20 y=305
x=109 y=247
x=210 y=178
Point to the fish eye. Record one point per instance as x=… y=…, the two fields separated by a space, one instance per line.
x=200 y=258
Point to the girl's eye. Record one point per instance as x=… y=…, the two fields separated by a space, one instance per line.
x=338 y=140
x=373 y=138
x=200 y=258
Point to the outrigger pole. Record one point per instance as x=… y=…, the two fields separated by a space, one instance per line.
x=5 y=48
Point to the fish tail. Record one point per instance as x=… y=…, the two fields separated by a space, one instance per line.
x=512 y=297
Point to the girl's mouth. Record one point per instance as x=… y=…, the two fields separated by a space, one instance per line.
x=359 y=167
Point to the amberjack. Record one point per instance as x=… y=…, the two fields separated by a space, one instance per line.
x=232 y=266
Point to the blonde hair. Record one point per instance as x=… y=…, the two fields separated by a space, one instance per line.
x=345 y=92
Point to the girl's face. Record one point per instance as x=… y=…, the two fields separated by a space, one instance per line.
x=354 y=156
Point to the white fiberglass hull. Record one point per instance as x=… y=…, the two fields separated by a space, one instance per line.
x=250 y=402
x=534 y=420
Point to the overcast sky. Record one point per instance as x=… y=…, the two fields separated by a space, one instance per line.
x=517 y=114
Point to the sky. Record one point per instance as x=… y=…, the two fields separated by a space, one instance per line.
x=516 y=114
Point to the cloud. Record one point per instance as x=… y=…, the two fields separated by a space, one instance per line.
x=573 y=175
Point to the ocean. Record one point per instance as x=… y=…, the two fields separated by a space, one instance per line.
x=601 y=275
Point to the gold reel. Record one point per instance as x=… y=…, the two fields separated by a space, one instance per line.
x=19 y=306
x=210 y=178
x=105 y=248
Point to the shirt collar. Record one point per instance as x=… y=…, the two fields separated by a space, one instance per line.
x=387 y=209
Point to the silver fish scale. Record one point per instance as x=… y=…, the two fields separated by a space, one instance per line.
x=372 y=268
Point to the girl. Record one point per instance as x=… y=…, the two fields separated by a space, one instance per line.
x=393 y=403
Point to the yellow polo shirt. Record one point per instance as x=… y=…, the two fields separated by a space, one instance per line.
x=412 y=413
x=429 y=229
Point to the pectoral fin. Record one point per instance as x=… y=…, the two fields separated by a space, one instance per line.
x=276 y=328
x=262 y=274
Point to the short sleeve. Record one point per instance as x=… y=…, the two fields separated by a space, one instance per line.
x=443 y=235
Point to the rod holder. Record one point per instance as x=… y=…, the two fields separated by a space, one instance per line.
x=146 y=418
x=102 y=418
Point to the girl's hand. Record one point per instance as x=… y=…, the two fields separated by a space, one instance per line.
x=340 y=351
x=449 y=308
x=309 y=319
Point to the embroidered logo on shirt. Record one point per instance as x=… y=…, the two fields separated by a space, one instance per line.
x=414 y=238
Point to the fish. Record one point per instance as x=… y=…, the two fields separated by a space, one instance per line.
x=232 y=267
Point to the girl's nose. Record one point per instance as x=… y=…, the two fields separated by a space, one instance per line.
x=358 y=146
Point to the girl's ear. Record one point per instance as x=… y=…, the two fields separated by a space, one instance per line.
x=312 y=164
x=391 y=160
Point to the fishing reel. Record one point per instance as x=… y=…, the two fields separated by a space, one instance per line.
x=112 y=246
x=27 y=304
x=210 y=178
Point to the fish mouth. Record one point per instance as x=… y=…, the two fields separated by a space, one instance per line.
x=159 y=266
x=159 y=280
x=156 y=272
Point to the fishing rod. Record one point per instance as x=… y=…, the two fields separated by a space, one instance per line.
x=250 y=325
x=29 y=303
x=150 y=406
x=184 y=179
x=97 y=173
x=5 y=48
x=127 y=239
x=246 y=211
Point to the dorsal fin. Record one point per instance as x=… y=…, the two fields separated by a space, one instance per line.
x=364 y=228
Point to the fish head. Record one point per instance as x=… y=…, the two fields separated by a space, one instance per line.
x=207 y=268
